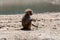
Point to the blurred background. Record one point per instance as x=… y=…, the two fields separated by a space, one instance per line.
x=38 y=6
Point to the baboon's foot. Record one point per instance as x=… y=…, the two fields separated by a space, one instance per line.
x=25 y=29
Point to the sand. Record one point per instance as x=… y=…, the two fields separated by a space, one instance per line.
x=48 y=27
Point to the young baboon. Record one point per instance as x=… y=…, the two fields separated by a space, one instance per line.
x=26 y=20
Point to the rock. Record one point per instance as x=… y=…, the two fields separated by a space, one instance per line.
x=3 y=39
x=47 y=39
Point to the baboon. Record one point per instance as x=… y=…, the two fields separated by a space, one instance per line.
x=26 y=20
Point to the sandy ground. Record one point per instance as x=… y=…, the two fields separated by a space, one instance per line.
x=48 y=27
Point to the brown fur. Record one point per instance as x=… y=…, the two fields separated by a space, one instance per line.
x=26 y=20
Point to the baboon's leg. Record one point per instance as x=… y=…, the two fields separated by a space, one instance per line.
x=29 y=25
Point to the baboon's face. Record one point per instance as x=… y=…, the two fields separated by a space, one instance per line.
x=29 y=12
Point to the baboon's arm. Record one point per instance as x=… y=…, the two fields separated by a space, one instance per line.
x=34 y=25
